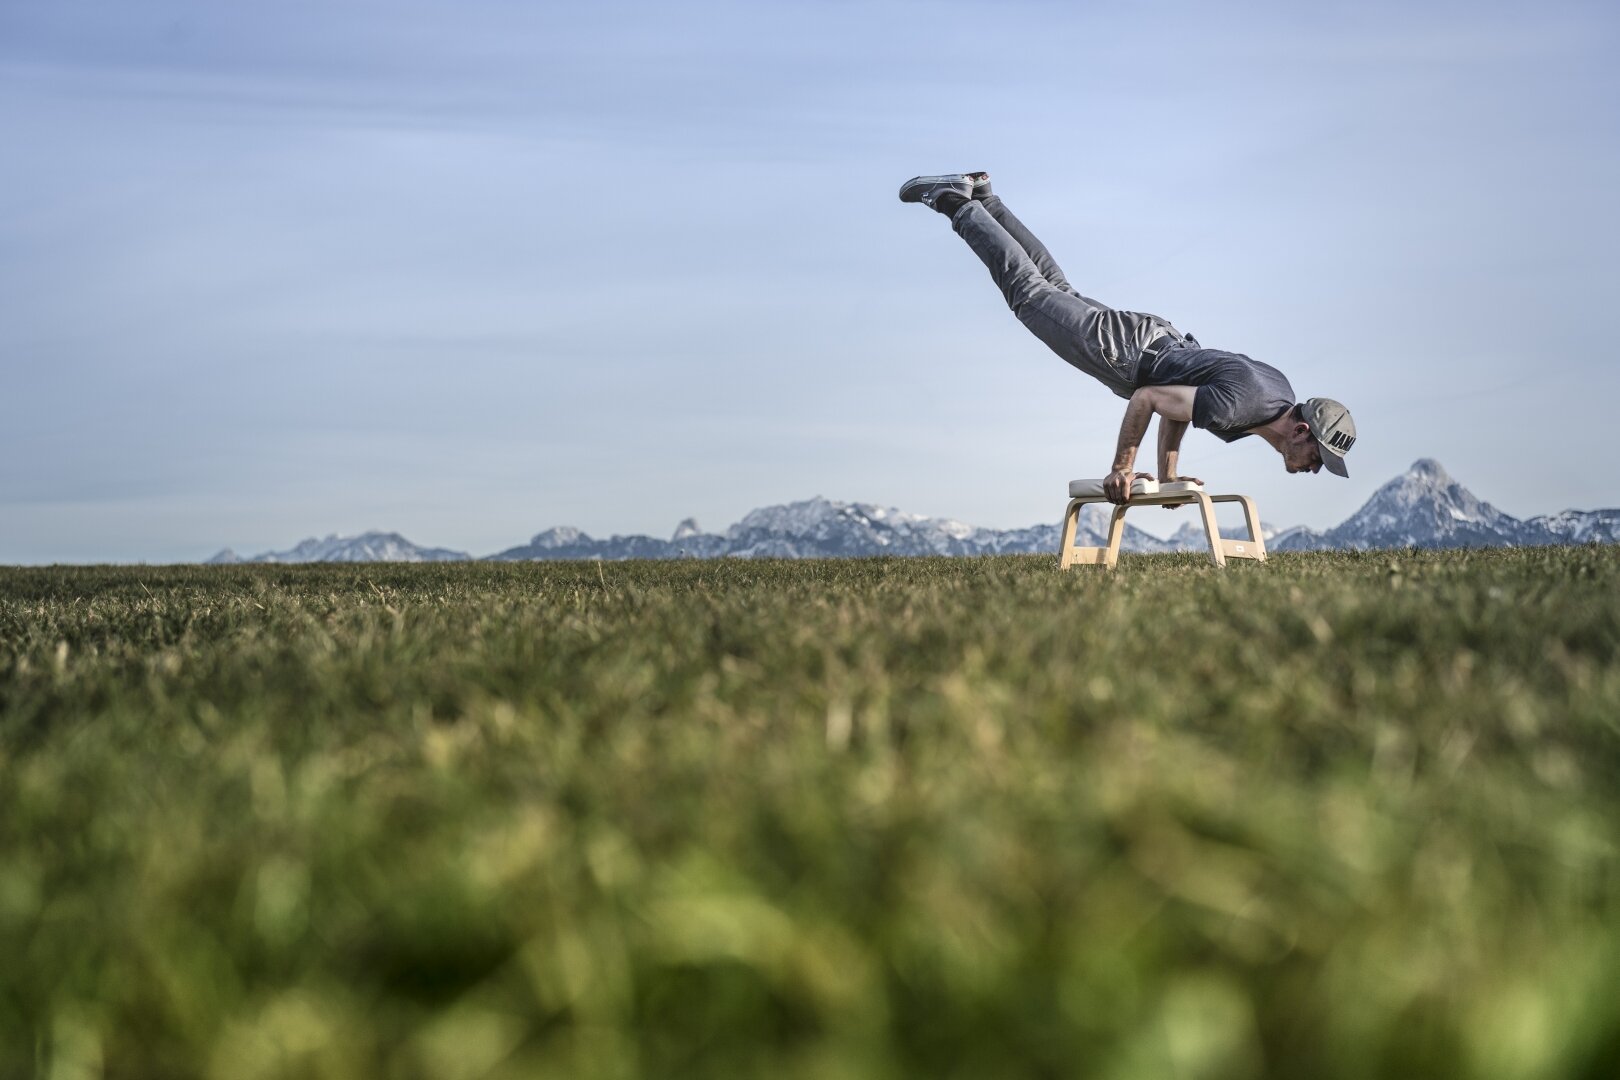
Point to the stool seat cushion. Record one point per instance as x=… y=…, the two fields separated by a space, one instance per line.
x=1093 y=489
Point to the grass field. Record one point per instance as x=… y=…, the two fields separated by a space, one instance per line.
x=1339 y=816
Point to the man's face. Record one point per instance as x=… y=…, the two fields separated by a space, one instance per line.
x=1301 y=452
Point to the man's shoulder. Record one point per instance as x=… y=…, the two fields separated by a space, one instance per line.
x=1249 y=373
x=1241 y=397
x=1222 y=377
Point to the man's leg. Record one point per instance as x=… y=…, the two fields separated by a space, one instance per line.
x=1036 y=250
x=1127 y=331
x=1078 y=329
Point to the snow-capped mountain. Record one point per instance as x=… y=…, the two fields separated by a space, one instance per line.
x=367 y=547
x=822 y=528
x=570 y=543
x=1582 y=526
x=1423 y=507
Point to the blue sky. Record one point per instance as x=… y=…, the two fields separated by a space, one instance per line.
x=470 y=270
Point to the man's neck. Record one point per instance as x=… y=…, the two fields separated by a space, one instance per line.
x=1276 y=431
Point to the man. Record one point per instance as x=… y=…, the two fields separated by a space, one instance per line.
x=1141 y=357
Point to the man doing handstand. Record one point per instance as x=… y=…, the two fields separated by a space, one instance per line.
x=1141 y=357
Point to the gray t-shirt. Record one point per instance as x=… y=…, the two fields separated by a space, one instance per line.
x=1234 y=392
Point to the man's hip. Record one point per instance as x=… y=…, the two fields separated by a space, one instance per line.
x=1106 y=344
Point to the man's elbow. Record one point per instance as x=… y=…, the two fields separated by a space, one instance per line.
x=1146 y=397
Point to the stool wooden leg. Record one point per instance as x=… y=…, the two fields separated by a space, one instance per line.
x=1071 y=522
x=1252 y=517
x=1116 y=533
x=1212 y=530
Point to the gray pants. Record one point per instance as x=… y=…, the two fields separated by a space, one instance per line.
x=1104 y=343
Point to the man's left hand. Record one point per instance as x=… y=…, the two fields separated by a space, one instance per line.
x=1178 y=480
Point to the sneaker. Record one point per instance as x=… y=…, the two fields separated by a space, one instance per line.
x=953 y=189
x=981 y=184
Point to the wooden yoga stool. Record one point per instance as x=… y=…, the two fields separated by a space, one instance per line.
x=1153 y=493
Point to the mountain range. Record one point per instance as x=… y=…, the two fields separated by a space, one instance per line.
x=367 y=547
x=1423 y=507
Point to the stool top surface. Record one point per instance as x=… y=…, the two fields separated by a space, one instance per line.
x=1085 y=489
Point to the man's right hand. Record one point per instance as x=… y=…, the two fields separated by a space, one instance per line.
x=1117 y=484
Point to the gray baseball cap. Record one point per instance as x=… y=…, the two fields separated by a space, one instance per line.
x=1334 y=431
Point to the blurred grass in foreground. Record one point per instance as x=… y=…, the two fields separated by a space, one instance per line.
x=1339 y=816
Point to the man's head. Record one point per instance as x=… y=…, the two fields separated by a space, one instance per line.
x=1320 y=433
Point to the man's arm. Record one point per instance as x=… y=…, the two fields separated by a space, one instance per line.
x=1170 y=433
x=1173 y=404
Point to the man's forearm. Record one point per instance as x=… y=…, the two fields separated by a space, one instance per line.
x=1170 y=433
x=1131 y=429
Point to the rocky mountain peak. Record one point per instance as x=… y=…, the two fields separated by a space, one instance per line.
x=1423 y=507
x=787 y=517
x=371 y=546
x=1429 y=470
x=558 y=536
